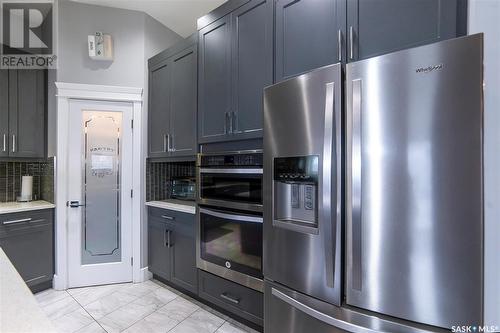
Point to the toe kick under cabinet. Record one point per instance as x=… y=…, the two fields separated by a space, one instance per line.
x=27 y=238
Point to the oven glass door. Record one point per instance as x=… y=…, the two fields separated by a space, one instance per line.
x=236 y=185
x=232 y=239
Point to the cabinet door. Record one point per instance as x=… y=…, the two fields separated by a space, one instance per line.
x=383 y=26
x=158 y=248
x=184 y=102
x=4 y=113
x=27 y=96
x=214 y=80
x=184 y=272
x=27 y=239
x=159 y=109
x=252 y=66
x=307 y=35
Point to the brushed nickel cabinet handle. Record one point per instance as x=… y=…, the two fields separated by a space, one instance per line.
x=165 y=143
x=16 y=221
x=13 y=143
x=229 y=298
x=5 y=142
x=351 y=42
x=339 y=45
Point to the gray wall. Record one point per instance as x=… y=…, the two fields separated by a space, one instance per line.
x=483 y=17
x=136 y=37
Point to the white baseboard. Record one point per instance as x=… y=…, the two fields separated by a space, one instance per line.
x=58 y=283
x=144 y=275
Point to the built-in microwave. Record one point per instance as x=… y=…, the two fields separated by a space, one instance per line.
x=230 y=180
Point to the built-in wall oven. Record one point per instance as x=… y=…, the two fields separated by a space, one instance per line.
x=230 y=219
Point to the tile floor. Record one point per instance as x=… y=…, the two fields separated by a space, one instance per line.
x=133 y=308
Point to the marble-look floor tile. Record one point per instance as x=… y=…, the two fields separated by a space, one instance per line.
x=230 y=328
x=73 y=321
x=92 y=294
x=50 y=296
x=92 y=328
x=179 y=309
x=61 y=307
x=125 y=317
x=200 y=321
x=140 y=289
x=159 y=297
x=108 y=304
x=156 y=322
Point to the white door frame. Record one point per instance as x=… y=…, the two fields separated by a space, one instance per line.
x=65 y=93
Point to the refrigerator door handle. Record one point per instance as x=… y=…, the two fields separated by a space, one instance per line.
x=326 y=225
x=329 y=320
x=356 y=186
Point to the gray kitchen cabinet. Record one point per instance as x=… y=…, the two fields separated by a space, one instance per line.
x=23 y=113
x=214 y=86
x=236 y=63
x=159 y=109
x=383 y=26
x=27 y=240
x=173 y=101
x=4 y=113
x=172 y=247
x=308 y=34
x=252 y=66
x=184 y=102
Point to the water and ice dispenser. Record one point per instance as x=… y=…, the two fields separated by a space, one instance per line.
x=296 y=190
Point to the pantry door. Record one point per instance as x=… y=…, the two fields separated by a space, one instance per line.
x=99 y=203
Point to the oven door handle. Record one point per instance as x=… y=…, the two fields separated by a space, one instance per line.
x=243 y=218
x=232 y=171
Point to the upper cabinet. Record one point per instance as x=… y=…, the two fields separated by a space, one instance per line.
x=308 y=34
x=235 y=64
x=172 y=101
x=383 y=26
x=23 y=113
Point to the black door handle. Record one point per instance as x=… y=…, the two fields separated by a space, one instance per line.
x=74 y=204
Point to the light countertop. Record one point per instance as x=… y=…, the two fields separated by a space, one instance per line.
x=15 y=207
x=19 y=310
x=173 y=204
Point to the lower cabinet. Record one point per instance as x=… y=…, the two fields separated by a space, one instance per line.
x=172 y=247
x=242 y=301
x=27 y=239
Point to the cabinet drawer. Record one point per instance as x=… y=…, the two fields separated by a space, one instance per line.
x=244 y=302
x=24 y=221
x=166 y=215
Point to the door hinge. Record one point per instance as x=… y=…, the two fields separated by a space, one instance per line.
x=132 y=124
x=132 y=261
x=131 y=193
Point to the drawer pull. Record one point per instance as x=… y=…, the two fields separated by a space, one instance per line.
x=16 y=221
x=230 y=299
x=168 y=217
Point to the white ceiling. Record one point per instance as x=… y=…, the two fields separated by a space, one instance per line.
x=177 y=15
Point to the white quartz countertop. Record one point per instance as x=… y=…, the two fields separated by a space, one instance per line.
x=15 y=207
x=19 y=310
x=177 y=205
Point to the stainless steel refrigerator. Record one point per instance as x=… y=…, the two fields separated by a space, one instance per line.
x=407 y=255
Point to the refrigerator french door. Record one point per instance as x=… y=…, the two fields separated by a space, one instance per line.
x=302 y=183
x=414 y=183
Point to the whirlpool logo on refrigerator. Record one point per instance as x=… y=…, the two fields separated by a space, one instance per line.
x=429 y=69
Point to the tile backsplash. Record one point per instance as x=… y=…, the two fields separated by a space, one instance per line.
x=11 y=173
x=159 y=174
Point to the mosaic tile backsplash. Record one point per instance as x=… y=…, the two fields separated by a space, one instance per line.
x=43 y=179
x=159 y=174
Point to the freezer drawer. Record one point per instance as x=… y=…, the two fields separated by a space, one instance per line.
x=414 y=183
x=287 y=311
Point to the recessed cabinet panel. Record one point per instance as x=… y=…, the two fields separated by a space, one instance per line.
x=384 y=26
x=214 y=80
x=306 y=35
x=184 y=102
x=158 y=250
x=159 y=115
x=27 y=96
x=252 y=65
x=4 y=113
x=184 y=272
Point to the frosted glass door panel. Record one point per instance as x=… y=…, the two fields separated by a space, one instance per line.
x=101 y=190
